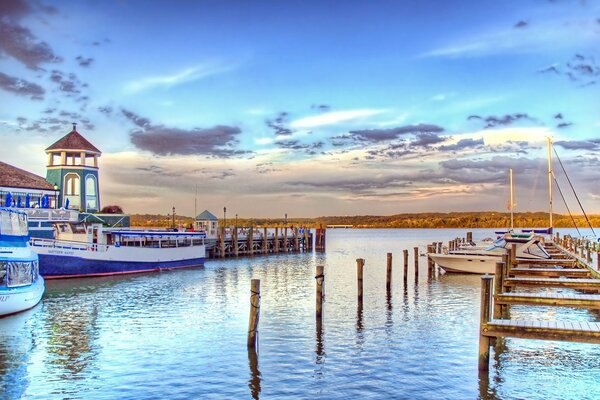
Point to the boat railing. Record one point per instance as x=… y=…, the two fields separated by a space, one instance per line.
x=68 y=245
x=52 y=214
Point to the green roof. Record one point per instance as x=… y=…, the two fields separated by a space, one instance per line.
x=206 y=215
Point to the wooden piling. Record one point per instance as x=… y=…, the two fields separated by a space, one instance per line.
x=276 y=242
x=439 y=247
x=416 y=253
x=484 y=341
x=265 y=243
x=254 y=312
x=296 y=240
x=222 y=242
x=513 y=256
x=251 y=240
x=405 y=253
x=498 y=284
x=320 y=279
x=360 y=263
x=285 y=240
x=306 y=240
x=236 y=249
x=388 y=281
x=469 y=237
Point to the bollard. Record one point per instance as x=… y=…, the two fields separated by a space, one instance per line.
x=360 y=263
x=320 y=279
x=484 y=318
x=254 y=312
x=388 y=281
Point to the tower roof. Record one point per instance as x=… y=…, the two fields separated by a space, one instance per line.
x=18 y=178
x=206 y=216
x=74 y=141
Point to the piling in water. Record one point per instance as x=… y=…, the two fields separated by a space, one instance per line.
x=360 y=263
x=254 y=312
x=484 y=317
x=498 y=283
x=416 y=252
x=320 y=279
x=388 y=281
x=405 y=254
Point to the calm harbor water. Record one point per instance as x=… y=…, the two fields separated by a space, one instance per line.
x=182 y=334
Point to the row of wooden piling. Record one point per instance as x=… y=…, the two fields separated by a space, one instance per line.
x=301 y=240
x=582 y=247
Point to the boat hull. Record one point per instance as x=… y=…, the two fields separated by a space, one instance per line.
x=81 y=260
x=14 y=300
x=473 y=264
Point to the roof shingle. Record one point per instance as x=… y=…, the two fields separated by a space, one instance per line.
x=73 y=141
x=16 y=177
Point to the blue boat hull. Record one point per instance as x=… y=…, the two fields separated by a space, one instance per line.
x=57 y=266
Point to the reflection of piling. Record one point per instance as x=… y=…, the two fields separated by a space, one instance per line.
x=254 y=382
x=484 y=341
x=320 y=278
x=360 y=263
x=416 y=251
x=254 y=312
x=388 y=281
x=405 y=254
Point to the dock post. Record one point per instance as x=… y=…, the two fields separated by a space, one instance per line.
x=405 y=253
x=254 y=312
x=285 y=240
x=513 y=256
x=265 y=242
x=236 y=249
x=276 y=241
x=306 y=241
x=222 y=242
x=251 y=240
x=498 y=283
x=296 y=240
x=360 y=263
x=416 y=253
x=320 y=279
x=439 y=247
x=589 y=254
x=388 y=281
x=484 y=341
x=469 y=237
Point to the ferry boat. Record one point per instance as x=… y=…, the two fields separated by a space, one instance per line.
x=81 y=250
x=21 y=286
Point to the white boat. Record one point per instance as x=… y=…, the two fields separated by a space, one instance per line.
x=21 y=286
x=484 y=262
x=90 y=250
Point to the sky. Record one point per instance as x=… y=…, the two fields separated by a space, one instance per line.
x=310 y=108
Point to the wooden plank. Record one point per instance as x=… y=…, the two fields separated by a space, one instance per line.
x=556 y=282
x=559 y=330
x=535 y=299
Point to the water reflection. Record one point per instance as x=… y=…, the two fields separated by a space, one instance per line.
x=486 y=392
x=255 y=377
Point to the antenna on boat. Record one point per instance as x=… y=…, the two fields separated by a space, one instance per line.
x=550 y=178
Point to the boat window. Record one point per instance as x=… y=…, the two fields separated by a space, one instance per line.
x=2 y=273
x=90 y=192
x=19 y=273
x=78 y=228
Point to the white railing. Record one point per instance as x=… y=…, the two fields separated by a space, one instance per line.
x=52 y=214
x=68 y=245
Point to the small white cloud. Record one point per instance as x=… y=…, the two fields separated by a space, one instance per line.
x=334 y=117
x=264 y=140
x=187 y=75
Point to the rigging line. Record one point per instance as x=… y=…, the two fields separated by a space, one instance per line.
x=575 y=193
x=566 y=205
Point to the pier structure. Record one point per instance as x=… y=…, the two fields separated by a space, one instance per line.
x=570 y=268
x=248 y=241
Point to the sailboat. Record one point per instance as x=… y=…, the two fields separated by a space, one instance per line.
x=529 y=245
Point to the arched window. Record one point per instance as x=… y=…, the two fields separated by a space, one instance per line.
x=91 y=197
x=72 y=185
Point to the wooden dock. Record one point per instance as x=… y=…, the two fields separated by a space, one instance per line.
x=571 y=268
x=242 y=241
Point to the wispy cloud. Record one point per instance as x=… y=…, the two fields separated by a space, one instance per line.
x=184 y=76
x=334 y=117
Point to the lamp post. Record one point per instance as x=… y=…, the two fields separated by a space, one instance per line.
x=55 y=195
x=173 y=224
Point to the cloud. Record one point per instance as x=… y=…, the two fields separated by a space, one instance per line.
x=184 y=76
x=508 y=119
x=564 y=125
x=580 y=69
x=18 y=41
x=521 y=24
x=69 y=84
x=320 y=107
x=296 y=145
x=278 y=124
x=378 y=135
x=462 y=145
x=21 y=87
x=593 y=144
x=334 y=118
x=84 y=62
x=550 y=68
x=426 y=139
x=160 y=140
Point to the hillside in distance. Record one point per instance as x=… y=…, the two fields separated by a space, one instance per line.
x=489 y=219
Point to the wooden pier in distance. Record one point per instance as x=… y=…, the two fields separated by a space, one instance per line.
x=570 y=269
x=242 y=241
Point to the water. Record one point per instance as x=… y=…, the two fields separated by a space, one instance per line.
x=182 y=334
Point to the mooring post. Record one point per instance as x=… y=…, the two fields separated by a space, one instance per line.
x=513 y=256
x=484 y=341
x=498 y=283
x=251 y=240
x=360 y=263
x=222 y=242
x=276 y=241
x=306 y=242
x=469 y=237
x=235 y=241
x=320 y=279
x=296 y=240
x=265 y=242
x=405 y=254
x=254 y=312
x=416 y=253
x=439 y=247
x=388 y=281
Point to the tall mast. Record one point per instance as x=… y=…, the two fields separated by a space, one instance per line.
x=550 y=178
x=512 y=201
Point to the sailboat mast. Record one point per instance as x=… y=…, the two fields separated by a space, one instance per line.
x=512 y=202
x=550 y=179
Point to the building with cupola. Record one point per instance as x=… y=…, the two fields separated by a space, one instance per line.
x=73 y=169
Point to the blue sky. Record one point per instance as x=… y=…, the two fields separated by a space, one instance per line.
x=308 y=107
